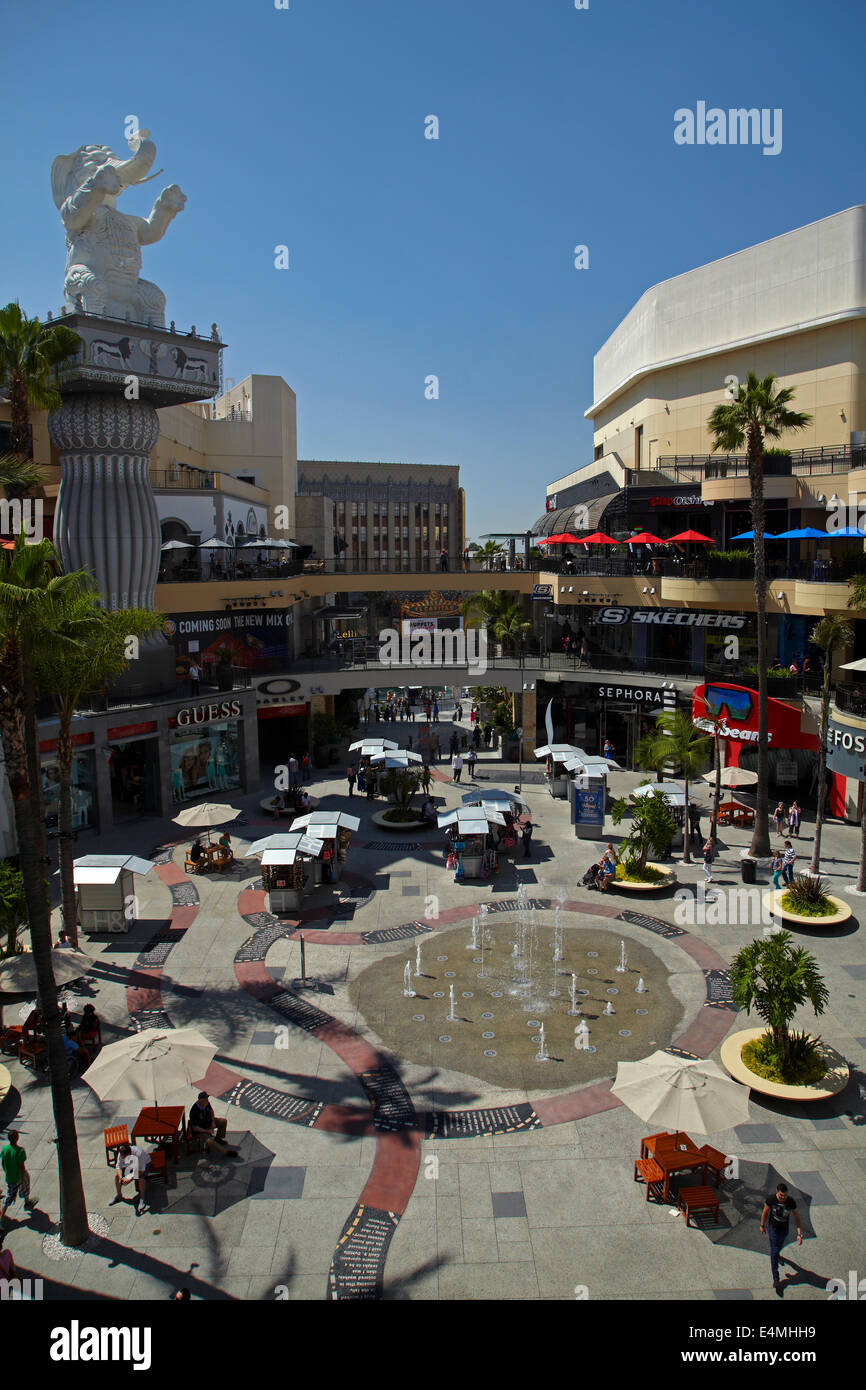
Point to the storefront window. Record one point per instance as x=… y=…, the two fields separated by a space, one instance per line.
x=135 y=778
x=206 y=760
x=83 y=783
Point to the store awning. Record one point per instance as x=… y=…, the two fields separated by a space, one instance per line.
x=579 y=516
x=559 y=752
x=319 y=822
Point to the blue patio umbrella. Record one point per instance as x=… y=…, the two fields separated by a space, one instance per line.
x=750 y=536
x=803 y=533
x=846 y=532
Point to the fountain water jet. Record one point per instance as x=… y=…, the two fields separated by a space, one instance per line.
x=408 y=991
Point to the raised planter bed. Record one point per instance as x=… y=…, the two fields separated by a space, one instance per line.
x=835 y=1080
x=628 y=886
x=773 y=900
x=400 y=826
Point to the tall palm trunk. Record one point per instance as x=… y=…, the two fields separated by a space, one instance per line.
x=66 y=853
x=18 y=732
x=822 y=762
x=760 y=846
x=687 y=824
x=861 y=876
x=20 y=415
x=717 y=788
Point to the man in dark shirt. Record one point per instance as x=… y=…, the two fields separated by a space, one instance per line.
x=776 y=1208
x=204 y=1125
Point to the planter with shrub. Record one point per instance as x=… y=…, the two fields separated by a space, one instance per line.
x=806 y=901
x=775 y=978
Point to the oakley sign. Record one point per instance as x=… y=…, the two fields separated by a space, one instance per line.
x=669 y=617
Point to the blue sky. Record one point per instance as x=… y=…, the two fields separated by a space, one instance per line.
x=412 y=257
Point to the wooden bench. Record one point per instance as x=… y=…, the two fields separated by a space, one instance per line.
x=716 y=1161
x=696 y=1199
x=648 y=1171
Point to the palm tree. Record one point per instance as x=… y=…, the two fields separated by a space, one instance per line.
x=678 y=742
x=93 y=653
x=831 y=632
x=18 y=475
x=777 y=978
x=758 y=411
x=499 y=613
x=13 y=907
x=486 y=552
x=30 y=354
x=649 y=756
x=29 y=587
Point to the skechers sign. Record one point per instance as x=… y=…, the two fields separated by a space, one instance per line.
x=669 y=617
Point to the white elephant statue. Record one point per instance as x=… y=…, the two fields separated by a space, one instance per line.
x=104 y=245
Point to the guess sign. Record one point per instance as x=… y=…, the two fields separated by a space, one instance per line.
x=207 y=714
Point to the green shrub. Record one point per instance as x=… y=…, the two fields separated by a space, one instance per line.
x=631 y=872
x=807 y=896
x=731 y=557
x=806 y=1067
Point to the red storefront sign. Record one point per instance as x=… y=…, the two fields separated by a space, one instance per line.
x=736 y=708
x=281 y=711
x=78 y=741
x=130 y=731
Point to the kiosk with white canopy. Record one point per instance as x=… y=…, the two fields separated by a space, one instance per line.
x=471 y=839
x=290 y=867
x=557 y=755
x=332 y=828
x=105 y=890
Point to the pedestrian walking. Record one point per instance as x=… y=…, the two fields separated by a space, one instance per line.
x=293 y=771
x=13 y=1161
x=436 y=712
x=777 y=1207
x=194 y=678
x=426 y=777
x=456 y=768
x=788 y=858
x=471 y=760
x=777 y=869
x=794 y=816
x=694 y=824
x=488 y=734
x=476 y=737
x=350 y=778
x=709 y=856
x=454 y=744
x=459 y=714
x=472 y=717
x=526 y=837
x=608 y=748
x=306 y=768
x=779 y=817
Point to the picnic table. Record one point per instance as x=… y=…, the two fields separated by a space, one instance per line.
x=735 y=813
x=161 y=1122
x=674 y=1153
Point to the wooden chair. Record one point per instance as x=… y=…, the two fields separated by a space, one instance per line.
x=716 y=1161
x=33 y=1053
x=10 y=1039
x=192 y=866
x=158 y=1165
x=648 y=1171
x=113 y=1138
x=194 y=1142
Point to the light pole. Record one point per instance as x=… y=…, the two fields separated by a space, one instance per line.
x=520 y=760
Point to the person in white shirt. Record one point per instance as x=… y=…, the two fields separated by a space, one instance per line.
x=788 y=862
x=456 y=767
x=194 y=678
x=132 y=1165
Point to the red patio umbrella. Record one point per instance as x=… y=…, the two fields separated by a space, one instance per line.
x=565 y=538
x=599 y=538
x=693 y=536
x=644 y=538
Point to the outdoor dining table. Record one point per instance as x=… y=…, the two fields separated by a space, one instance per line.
x=735 y=813
x=683 y=1159
x=162 y=1122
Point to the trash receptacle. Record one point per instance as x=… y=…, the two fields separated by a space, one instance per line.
x=747 y=869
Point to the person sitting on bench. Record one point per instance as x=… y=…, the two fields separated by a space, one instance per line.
x=204 y=1125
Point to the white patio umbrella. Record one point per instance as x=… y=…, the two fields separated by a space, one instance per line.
x=156 y=1059
x=177 y=545
x=733 y=777
x=215 y=544
x=18 y=973
x=671 y=1092
x=206 y=814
